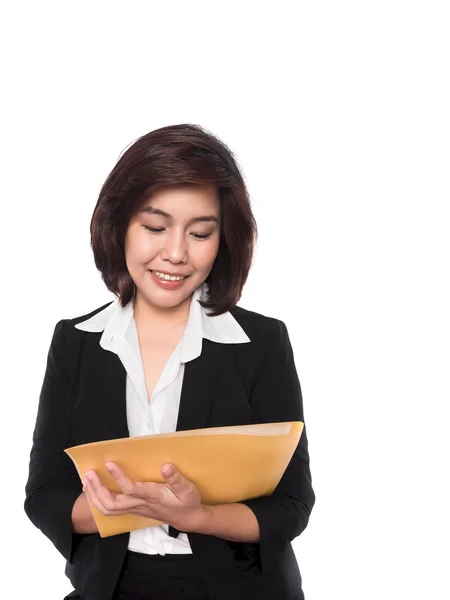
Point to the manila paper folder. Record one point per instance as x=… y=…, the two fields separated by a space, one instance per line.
x=227 y=464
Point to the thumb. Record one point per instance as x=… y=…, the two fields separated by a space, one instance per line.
x=173 y=477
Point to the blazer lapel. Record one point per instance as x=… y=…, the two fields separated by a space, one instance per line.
x=109 y=402
x=200 y=380
x=105 y=402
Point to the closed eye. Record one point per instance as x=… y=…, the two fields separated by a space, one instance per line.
x=201 y=236
x=197 y=236
x=154 y=229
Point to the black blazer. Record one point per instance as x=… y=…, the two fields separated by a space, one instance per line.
x=83 y=400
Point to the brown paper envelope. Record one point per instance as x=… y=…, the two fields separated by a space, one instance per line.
x=227 y=464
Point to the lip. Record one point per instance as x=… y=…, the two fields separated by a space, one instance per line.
x=169 y=273
x=168 y=284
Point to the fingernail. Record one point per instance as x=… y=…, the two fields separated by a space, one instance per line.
x=109 y=466
x=89 y=476
x=168 y=471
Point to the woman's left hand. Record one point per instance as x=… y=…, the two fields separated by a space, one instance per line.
x=176 y=502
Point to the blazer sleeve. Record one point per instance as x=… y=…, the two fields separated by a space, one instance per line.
x=53 y=483
x=277 y=397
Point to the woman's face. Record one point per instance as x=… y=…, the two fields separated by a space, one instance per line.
x=175 y=234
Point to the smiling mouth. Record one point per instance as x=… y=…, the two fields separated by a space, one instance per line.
x=167 y=277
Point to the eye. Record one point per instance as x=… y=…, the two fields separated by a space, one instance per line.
x=153 y=229
x=201 y=236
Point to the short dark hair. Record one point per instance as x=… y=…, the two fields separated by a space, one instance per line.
x=175 y=155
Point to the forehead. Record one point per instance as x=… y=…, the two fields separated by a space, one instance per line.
x=185 y=200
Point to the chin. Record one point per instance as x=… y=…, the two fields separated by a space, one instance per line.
x=167 y=302
x=167 y=298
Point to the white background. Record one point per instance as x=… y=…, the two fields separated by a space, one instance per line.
x=338 y=113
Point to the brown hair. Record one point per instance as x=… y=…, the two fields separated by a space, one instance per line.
x=175 y=155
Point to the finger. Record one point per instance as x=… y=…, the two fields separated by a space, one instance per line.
x=149 y=491
x=92 y=497
x=99 y=494
x=96 y=487
x=175 y=480
x=125 y=483
x=109 y=503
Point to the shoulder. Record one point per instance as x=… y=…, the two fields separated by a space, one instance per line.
x=259 y=327
x=66 y=327
x=79 y=319
x=270 y=351
x=66 y=339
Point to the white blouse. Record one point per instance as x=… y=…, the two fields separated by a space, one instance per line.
x=160 y=415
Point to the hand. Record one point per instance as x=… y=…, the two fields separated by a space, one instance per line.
x=176 y=502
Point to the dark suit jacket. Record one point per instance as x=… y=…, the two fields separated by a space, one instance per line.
x=83 y=400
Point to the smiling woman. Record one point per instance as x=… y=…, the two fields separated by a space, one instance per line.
x=172 y=235
x=181 y=183
x=172 y=243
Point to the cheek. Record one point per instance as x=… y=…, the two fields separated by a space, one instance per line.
x=140 y=246
x=203 y=258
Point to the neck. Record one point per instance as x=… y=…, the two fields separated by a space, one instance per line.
x=148 y=315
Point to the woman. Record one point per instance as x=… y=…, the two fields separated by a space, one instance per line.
x=173 y=236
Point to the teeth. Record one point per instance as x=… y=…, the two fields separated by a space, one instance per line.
x=168 y=277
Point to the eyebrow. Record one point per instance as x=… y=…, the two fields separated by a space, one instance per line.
x=201 y=219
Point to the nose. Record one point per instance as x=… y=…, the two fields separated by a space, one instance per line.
x=175 y=248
